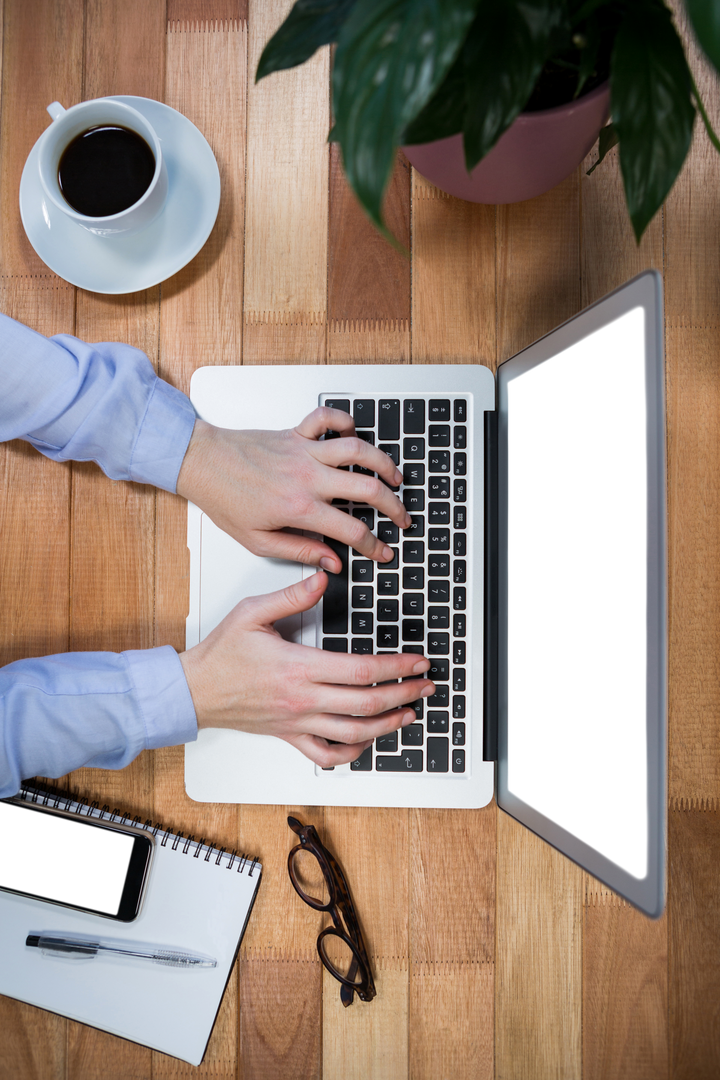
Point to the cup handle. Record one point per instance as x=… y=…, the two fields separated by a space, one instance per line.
x=56 y=110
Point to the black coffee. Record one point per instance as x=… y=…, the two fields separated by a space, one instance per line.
x=105 y=169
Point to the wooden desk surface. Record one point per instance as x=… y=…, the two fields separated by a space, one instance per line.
x=495 y=957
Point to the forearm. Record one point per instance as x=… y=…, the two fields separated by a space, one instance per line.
x=58 y=713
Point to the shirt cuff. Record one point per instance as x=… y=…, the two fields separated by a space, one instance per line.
x=163 y=438
x=163 y=696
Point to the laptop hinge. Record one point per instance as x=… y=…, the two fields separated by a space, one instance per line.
x=490 y=628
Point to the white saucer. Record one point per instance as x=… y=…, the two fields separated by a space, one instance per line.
x=123 y=264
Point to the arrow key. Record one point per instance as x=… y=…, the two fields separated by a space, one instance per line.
x=437 y=755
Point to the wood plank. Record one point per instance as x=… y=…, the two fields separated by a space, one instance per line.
x=453 y=278
x=205 y=11
x=42 y=63
x=625 y=992
x=538 y=997
x=122 y=53
x=452 y=942
x=287 y=202
x=694 y=1005
x=280 y=1022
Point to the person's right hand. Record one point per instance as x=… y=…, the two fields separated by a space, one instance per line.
x=244 y=675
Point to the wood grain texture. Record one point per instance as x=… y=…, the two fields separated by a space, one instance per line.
x=453 y=278
x=280 y=1025
x=538 y=996
x=121 y=48
x=451 y=1021
x=207 y=10
x=287 y=202
x=694 y=878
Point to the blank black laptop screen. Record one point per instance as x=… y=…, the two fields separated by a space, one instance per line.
x=577 y=592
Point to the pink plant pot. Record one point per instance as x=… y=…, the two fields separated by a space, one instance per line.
x=536 y=152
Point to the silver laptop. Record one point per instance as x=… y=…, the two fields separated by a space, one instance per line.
x=533 y=577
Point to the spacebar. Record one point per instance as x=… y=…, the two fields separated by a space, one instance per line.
x=335 y=600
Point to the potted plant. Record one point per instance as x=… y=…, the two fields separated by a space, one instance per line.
x=465 y=77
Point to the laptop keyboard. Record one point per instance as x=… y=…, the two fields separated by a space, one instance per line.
x=418 y=602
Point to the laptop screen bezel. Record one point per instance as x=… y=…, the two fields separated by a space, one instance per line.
x=644 y=291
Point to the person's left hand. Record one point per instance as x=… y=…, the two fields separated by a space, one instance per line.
x=255 y=485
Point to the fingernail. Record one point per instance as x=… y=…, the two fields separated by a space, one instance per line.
x=327 y=563
x=408 y=522
x=388 y=553
x=429 y=689
x=422 y=665
x=398 y=477
x=408 y=718
x=312 y=584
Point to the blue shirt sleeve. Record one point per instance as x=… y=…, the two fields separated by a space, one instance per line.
x=102 y=403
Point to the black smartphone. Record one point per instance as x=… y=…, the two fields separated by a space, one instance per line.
x=62 y=858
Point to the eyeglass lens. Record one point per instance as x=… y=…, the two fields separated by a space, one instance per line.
x=309 y=876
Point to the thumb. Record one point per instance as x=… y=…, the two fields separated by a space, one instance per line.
x=267 y=609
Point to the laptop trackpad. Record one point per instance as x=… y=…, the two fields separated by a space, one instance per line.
x=229 y=573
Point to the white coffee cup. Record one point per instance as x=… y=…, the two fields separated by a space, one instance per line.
x=67 y=123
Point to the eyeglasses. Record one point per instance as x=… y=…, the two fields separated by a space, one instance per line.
x=341 y=947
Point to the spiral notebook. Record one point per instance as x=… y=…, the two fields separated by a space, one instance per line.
x=198 y=896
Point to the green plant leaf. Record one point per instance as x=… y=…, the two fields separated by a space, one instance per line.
x=443 y=114
x=608 y=138
x=391 y=57
x=589 y=52
x=310 y=25
x=506 y=48
x=705 y=19
x=651 y=107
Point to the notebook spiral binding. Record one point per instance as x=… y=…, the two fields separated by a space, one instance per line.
x=77 y=804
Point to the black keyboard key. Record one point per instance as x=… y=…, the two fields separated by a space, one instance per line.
x=387 y=744
x=414 y=500
x=413 y=630
x=438 y=644
x=439 y=592
x=460 y=544
x=437 y=755
x=438 y=722
x=393 y=452
x=413 y=577
x=362 y=622
x=335 y=599
x=388 y=532
x=342 y=404
x=412 y=735
x=387 y=611
x=418 y=651
x=458 y=734
x=460 y=438
x=366 y=436
x=458 y=679
x=439 y=670
x=459 y=599
x=416 y=705
x=459 y=571
x=416 y=528
x=459 y=517
x=413 y=551
x=364 y=412
x=362 y=469
x=361 y=645
x=438 y=566
x=387 y=637
x=414 y=416
x=439 y=409
x=458 y=652
x=439 y=435
x=362 y=596
x=438 y=513
x=335 y=644
x=458 y=707
x=407 y=761
x=389 y=420
x=441 y=698
x=460 y=411
x=392 y=564
x=388 y=584
x=439 y=487
x=413 y=449
x=460 y=464
x=439 y=539
x=366 y=515
x=413 y=603
x=364 y=762
x=362 y=570
x=458 y=626
x=458 y=760
x=414 y=474
x=439 y=618
x=439 y=461
x=460 y=491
